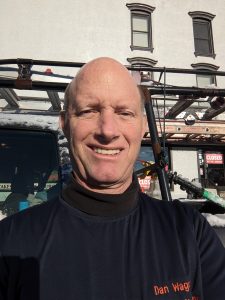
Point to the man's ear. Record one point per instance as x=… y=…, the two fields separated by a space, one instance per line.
x=145 y=125
x=63 y=122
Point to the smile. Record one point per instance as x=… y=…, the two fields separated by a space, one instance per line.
x=107 y=151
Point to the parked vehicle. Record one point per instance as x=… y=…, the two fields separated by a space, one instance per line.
x=34 y=160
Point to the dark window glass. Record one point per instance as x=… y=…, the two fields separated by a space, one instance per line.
x=145 y=154
x=29 y=169
x=203 y=37
x=211 y=168
x=148 y=182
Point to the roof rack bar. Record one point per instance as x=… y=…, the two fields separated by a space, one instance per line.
x=133 y=68
x=192 y=91
x=211 y=113
x=36 y=85
x=61 y=86
x=10 y=96
x=17 y=61
x=177 y=108
x=177 y=70
x=55 y=100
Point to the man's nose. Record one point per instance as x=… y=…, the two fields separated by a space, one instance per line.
x=108 y=126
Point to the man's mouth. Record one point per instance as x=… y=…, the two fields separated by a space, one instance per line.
x=107 y=151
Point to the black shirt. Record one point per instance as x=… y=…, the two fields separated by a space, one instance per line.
x=139 y=250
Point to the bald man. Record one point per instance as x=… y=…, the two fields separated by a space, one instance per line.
x=104 y=123
x=103 y=239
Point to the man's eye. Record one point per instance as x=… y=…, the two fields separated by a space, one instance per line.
x=86 y=113
x=126 y=114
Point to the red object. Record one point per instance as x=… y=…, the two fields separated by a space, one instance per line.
x=145 y=183
x=214 y=158
x=48 y=71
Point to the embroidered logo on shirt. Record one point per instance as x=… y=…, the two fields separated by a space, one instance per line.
x=175 y=287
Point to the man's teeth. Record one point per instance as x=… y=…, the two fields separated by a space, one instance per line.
x=107 y=152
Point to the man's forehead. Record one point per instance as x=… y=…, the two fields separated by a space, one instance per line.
x=104 y=93
x=104 y=82
x=97 y=83
x=97 y=78
x=103 y=70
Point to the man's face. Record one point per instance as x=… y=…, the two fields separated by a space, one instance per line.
x=105 y=127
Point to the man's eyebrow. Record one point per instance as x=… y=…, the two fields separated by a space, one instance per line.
x=123 y=106
x=87 y=104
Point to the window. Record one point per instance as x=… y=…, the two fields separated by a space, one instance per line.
x=202 y=36
x=143 y=76
x=211 y=167
x=149 y=183
x=202 y=28
x=204 y=80
x=29 y=168
x=141 y=28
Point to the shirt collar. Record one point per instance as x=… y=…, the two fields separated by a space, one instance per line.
x=98 y=204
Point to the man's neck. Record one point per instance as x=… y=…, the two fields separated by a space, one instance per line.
x=101 y=204
x=104 y=188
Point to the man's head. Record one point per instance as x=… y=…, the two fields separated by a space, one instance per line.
x=104 y=124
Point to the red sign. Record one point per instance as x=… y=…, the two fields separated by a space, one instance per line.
x=214 y=158
x=145 y=183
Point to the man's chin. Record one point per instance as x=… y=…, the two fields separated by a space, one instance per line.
x=100 y=181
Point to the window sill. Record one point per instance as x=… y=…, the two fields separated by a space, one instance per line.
x=141 y=48
x=213 y=55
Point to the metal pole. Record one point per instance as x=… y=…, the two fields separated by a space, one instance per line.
x=157 y=151
x=61 y=86
x=133 y=68
x=35 y=62
x=33 y=85
x=188 y=91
